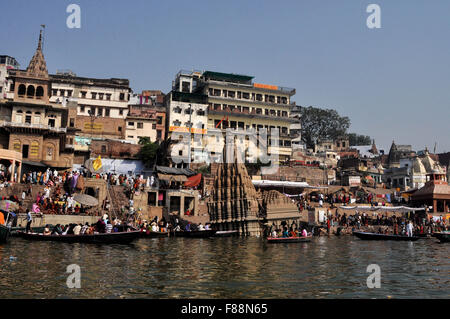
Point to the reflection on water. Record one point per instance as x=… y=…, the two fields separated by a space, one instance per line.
x=226 y=268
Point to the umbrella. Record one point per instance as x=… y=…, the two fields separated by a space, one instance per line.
x=85 y=199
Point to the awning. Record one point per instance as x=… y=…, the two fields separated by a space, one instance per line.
x=85 y=199
x=34 y=163
x=402 y=209
x=176 y=178
x=193 y=181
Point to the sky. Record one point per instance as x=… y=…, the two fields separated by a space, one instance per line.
x=392 y=82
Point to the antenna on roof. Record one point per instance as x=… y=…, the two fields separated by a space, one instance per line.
x=435 y=144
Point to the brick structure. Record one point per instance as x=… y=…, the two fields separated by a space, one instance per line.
x=113 y=149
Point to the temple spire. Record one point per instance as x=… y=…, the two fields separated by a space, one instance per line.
x=38 y=66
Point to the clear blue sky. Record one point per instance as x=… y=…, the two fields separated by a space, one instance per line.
x=393 y=82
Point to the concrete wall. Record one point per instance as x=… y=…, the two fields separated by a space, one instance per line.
x=58 y=219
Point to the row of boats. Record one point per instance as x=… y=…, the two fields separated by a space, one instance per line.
x=111 y=238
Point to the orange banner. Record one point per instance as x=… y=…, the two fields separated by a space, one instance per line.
x=265 y=86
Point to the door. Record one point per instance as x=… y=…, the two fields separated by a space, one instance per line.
x=25 y=149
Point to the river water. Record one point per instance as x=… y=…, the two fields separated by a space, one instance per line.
x=334 y=267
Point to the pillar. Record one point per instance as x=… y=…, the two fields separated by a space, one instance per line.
x=434 y=206
x=13 y=170
x=19 y=172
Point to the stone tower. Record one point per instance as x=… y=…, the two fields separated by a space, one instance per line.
x=233 y=204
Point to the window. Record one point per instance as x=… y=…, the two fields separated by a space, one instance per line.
x=82 y=109
x=54 y=92
x=238 y=94
x=122 y=96
x=216 y=92
x=246 y=95
x=231 y=94
x=177 y=123
x=72 y=122
x=140 y=125
x=130 y=123
x=119 y=128
x=103 y=148
x=186 y=86
x=177 y=110
x=130 y=136
x=108 y=97
x=258 y=97
x=28 y=119
x=62 y=92
x=93 y=95
x=200 y=112
x=107 y=110
x=120 y=112
x=83 y=94
x=69 y=93
x=100 y=96
x=159 y=119
x=154 y=126
x=100 y=111
x=158 y=134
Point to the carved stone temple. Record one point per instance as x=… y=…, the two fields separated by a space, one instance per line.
x=235 y=204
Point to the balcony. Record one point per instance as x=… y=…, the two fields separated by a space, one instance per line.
x=33 y=126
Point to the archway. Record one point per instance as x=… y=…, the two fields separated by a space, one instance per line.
x=30 y=91
x=39 y=92
x=22 y=89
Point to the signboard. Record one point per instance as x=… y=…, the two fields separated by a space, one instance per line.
x=354 y=181
x=184 y=129
x=34 y=149
x=82 y=141
x=93 y=127
x=265 y=86
x=322 y=217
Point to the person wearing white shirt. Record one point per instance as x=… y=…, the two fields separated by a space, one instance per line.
x=77 y=229
x=200 y=227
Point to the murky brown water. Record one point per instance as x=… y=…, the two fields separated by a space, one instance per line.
x=226 y=268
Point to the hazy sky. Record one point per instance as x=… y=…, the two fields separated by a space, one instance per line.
x=393 y=82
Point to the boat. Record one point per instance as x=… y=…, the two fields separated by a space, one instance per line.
x=375 y=236
x=444 y=237
x=4 y=233
x=273 y=240
x=104 y=238
x=154 y=234
x=38 y=229
x=226 y=233
x=194 y=234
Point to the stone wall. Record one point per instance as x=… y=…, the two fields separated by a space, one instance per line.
x=113 y=149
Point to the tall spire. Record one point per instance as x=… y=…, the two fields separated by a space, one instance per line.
x=38 y=66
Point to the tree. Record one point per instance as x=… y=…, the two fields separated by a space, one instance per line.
x=148 y=152
x=322 y=124
x=358 y=140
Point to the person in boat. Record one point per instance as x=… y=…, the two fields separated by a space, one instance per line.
x=188 y=227
x=274 y=234
x=409 y=229
x=57 y=230
x=77 y=229
x=155 y=227
x=304 y=233
x=100 y=226
x=108 y=227
x=208 y=226
x=84 y=229
x=200 y=227
x=285 y=232
x=29 y=221
x=47 y=231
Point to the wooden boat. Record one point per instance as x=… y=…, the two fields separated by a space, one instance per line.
x=194 y=234
x=39 y=229
x=4 y=233
x=444 y=237
x=104 y=238
x=226 y=233
x=154 y=234
x=375 y=236
x=273 y=240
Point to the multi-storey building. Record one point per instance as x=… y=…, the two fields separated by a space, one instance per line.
x=102 y=104
x=150 y=104
x=32 y=125
x=6 y=63
x=187 y=120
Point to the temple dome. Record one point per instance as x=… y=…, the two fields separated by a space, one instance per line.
x=418 y=167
